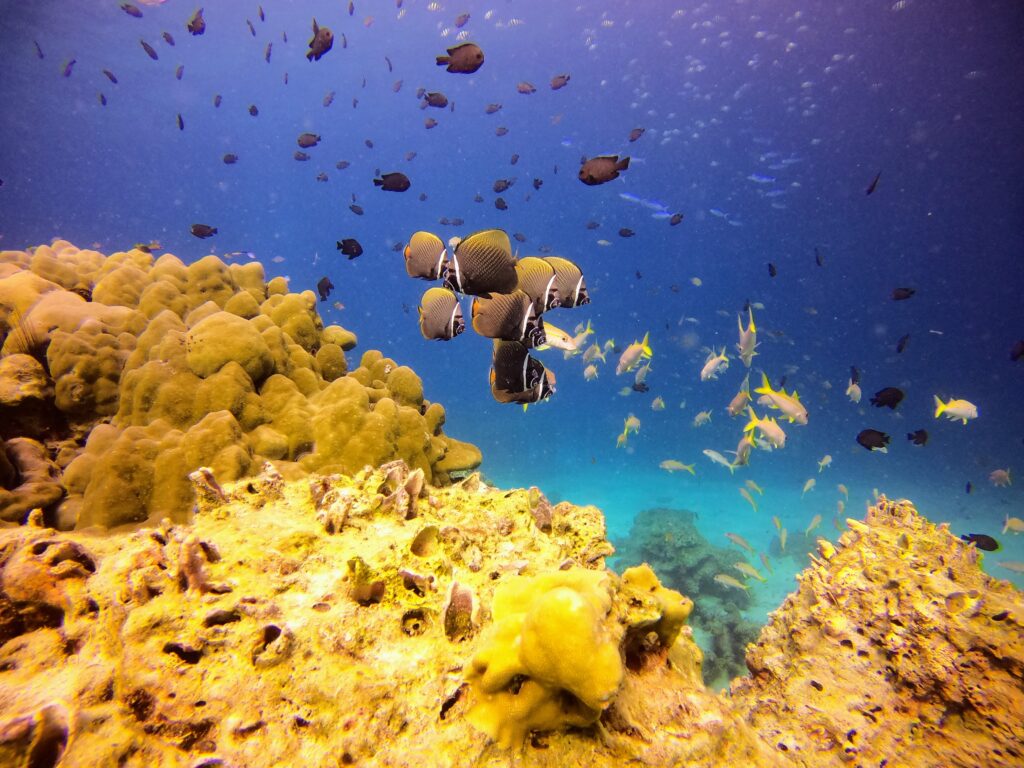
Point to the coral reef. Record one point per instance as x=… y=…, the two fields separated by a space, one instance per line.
x=669 y=541
x=132 y=371
x=369 y=620
x=896 y=649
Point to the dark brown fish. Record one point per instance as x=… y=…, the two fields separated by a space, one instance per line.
x=131 y=10
x=253 y=110
x=889 y=397
x=368 y=143
x=324 y=286
x=307 y=140
x=388 y=61
x=457 y=222
x=601 y=169
x=393 y=182
x=873 y=440
x=510 y=317
x=259 y=12
x=440 y=315
x=355 y=102
x=149 y=50
x=902 y=343
x=592 y=225
x=572 y=288
x=217 y=100
x=286 y=78
x=482 y=263
x=513 y=160
x=490 y=109
x=526 y=88
x=516 y=377
x=196 y=25
x=500 y=204
x=1017 y=350
x=430 y=123
x=110 y=76
x=344 y=40
x=396 y=86
x=464 y=58
x=203 y=231
x=537 y=183
x=435 y=99
x=39 y=51
x=341 y=165
x=675 y=219
x=102 y=99
x=918 y=437
x=425 y=255
x=636 y=133
x=321 y=176
x=559 y=81
x=328 y=98
x=252 y=29
x=230 y=159
x=300 y=156
x=478 y=198
x=537 y=280
x=500 y=131
x=460 y=20
x=320 y=43
x=356 y=209
x=519 y=237
x=874 y=184
x=772 y=271
x=179 y=72
x=626 y=232
x=902 y=294
x=501 y=185
x=266 y=52
x=854 y=375
x=181 y=122
x=350 y=247
x=168 y=38
x=818 y=258
x=410 y=156
x=68 y=67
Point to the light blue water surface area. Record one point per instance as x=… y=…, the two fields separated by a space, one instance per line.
x=764 y=124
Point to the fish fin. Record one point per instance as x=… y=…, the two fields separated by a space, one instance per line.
x=622 y=165
x=378 y=182
x=645 y=345
x=316 y=27
x=939 y=406
x=442 y=60
x=751 y=327
x=753 y=420
x=766 y=387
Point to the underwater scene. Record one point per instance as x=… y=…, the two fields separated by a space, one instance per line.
x=534 y=383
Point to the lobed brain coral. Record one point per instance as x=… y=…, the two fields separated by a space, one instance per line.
x=129 y=371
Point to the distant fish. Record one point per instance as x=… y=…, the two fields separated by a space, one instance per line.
x=818 y=258
x=440 y=315
x=300 y=156
x=131 y=10
x=559 y=81
x=324 y=287
x=350 y=247
x=230 y=158
x=537 y=183
x=465 y=58
x=902 y=343
x=168 y=38
x=889 y=397
x=874 y=184
x=356 y=209
x=102 y=99
x=252 y=29
x=772 y=271
x=461 y=20
x=110 y=76
x=757 y=178
x=217 y=99
x=393 y=182
x=526 y=88
x=500 y=204
x=328 y=98
x=253 y=110
x=320 y=43
x=267 y=51
x=259 y=12
x=636 y=133
x=341 y=165
x=181 y=122
x=196 y=25
x=675 y=219
x=902 y=294
x=918 y=437
x=68 y=67
x=307 y=140
x=626 y=232
x=39 y=51
x=430 y=123
x=501 y=130
x=179 y=72
x=873 y=440
x=601 y=169
x=490 y=109
x=203 y=231
x=434 y=99
x=981 y=541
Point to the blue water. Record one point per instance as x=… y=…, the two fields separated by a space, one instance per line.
x=774 y=115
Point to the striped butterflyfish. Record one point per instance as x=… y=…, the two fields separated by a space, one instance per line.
x=425 y=256
x=482 y=263
x=569 y=281
x=537 y=280
x=440 y=315
x=508 y=316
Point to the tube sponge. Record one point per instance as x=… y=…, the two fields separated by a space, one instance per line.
x=551 y=658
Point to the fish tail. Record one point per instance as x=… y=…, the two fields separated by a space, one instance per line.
x=622 y=165
x=766 y=387
x=645 y=345
x=750 y=314
x=442 y=61
x=753 y=420
x=378 y=182
x=939 y=406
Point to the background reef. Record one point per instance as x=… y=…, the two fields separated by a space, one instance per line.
x=121 y=374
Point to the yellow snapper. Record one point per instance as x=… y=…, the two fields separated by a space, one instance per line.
x=815 y=522
x=789 y=404
x=750 y=499
x=718 y=458
x=1000 y=477
x=769 y=428
x=590 y=372
x=672 y=465
x=558 y=339
x=729 y=581
x=783 y=535
x=1014 y=524
x=743 y=449
x=593 y=353
x=748 y=338
x=632 y=425
x=713 y=365
x=765 y=563
x=754 y=487
x=843 y=490
x=658 y=404
x=702 y=418
x=956 y=409
x=632 y=355
x=808 y=486
x=739 y=541
x=826 y=461
x=748 y=570
x=740 y=400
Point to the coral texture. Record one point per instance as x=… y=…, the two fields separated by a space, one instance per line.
x=133 y=371
x=896 y=649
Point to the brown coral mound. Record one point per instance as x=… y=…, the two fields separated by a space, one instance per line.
x=134 y=371
x=896 y=649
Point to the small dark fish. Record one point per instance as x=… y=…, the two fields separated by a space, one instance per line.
x=1017 y=351
x=284 y=37
x=490 y=109
x=435 y=99
x=350 y=247
x=131 y=10
x=626 y=232
x=968 y=487
x=641 y=386
x=356 y=209
x=772 y=271
x=368 y=143
x=854 y=375
x=355 y=102
x=640 y=277
x=874 y=184
x=181 y=122
x=889 y=397
x=388 y=61
x=513 y=160
x=902 y=343
x=203 y=231
x=592 y=225
x=457 y=222
x=981 y=541
x=252 y=29
x=341 y=165
x=502 y=185
x=444 y=220
x=410 y=156
x=636 y=133
x=286 y=78
x=168 y=38
x=230 y=159
x=217 y=100
x=818 y=258
x=501 y=130
x=902 y=294
x=675 y=219
x=465 y=58
x=500 y=204
x=423 y=197
x=519 y=237
x=430 y=123
x=918 y=437
x=266 y=53
x=110 y=76
x=320 y=43
x=39 y=51
x=873 y=440
x=460 y=20
x=321 y=176
x=526 y=88
x=300 y=156
x=196 y=25
x=393 y=182
x=478 y=198
x=344 y=40
x=537 y=183
x=307 y=140
x=559 y=81
x=102 y=99
x=70 y=65
x=259 y=12
x=179 y=72
x=324 y=286
x=601 y=169
x=253 y=110
x=396 y=86
x=328 y=99
x=149 y=50
x=351 y=7
x=782 y=382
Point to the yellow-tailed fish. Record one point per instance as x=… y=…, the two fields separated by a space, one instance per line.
x=750 y=499
x=1014 y=524
x=843 y=490
x=633 y=354
x=740 y=400
x=580 y=337
x=590 y=372
x=853 y=392
x=748 y=338
x=658 y=404
x=672 y=465
x=840 y=506
x=1011 y=565
x=730 y=581
x=594 y=352
x=641 y=375
x=826 y=461
x=739 y=541
x=808 y=486
x=713 y=365
x=702 y=418
x=748 y=570
x=743 y=449
x=769 y=429
x=788 y=404
x=718 y=458
x=783 y=535
x=777 y=522
x=620 y=440
x=956 y=409
x=764 y=561
x=754 y=487
x=557 y=339
x=815 y=522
